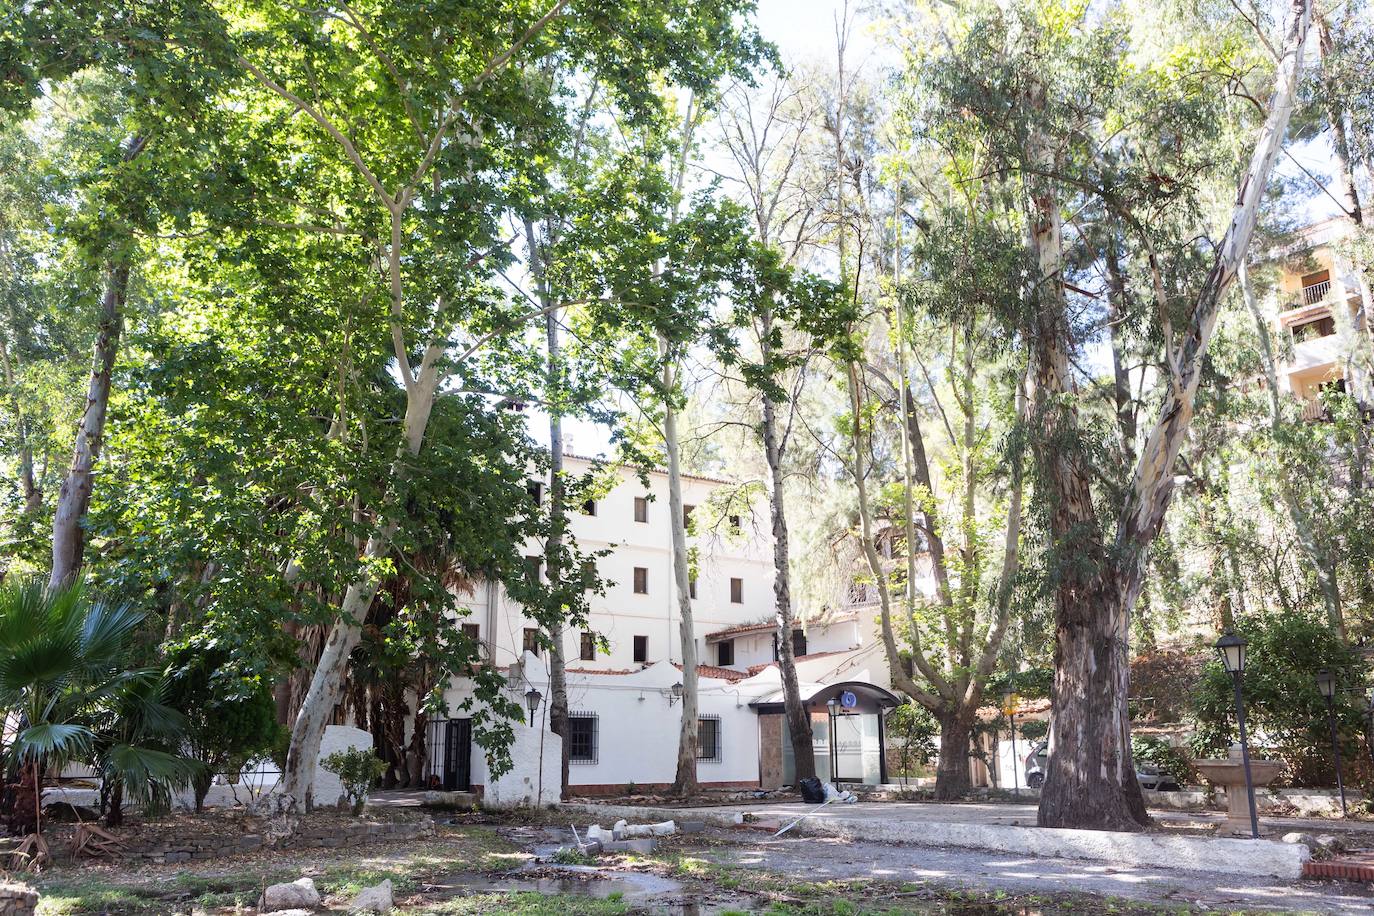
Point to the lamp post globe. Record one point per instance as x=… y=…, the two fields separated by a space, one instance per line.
x=1231 y=648
x=532 y=698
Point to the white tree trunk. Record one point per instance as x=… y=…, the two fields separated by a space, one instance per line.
x=317 y=708
x=74 y=499
x=685 y=781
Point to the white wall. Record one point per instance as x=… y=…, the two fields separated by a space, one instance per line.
x=621 y=614
x=530 y=782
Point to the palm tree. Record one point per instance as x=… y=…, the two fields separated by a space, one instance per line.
x=68 y=694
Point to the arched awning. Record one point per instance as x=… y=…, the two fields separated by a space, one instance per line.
x=869 y=697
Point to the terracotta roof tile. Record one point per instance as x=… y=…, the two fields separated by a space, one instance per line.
x=713 y=671
x=755 y=669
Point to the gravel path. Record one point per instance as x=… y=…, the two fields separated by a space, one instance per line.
x=813 y=858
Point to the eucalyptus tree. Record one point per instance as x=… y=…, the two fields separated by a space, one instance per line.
x=1051 y=88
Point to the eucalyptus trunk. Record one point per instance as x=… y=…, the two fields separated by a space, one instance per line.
x=1091 y=777
x=74 y=499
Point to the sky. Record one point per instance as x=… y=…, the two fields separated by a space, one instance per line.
x=806 y=30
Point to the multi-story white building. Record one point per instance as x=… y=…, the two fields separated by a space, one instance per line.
x=624 y=671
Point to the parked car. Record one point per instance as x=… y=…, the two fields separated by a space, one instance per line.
x=1148 y=775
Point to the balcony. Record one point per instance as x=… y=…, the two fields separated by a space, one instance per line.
x=1316 y=292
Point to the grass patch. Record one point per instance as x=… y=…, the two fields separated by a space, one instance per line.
x=526 y=904
x=78 y=891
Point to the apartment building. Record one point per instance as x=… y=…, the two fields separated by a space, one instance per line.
x=624 y=671
x=1318 y=313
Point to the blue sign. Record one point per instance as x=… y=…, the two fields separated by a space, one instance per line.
x=848 y=700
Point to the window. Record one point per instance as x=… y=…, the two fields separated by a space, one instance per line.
x=734 y=523
x=531 y=643
x=725 y=653
x=588 y=647
x=1311 y=330
x=536 y=490
x=708 y=738
x=798 y=642
x=641 y=509
x=533 y=566
x=692 y=586
x=641 y=580
x=687 y=516
x=472 y=631
x=589 y=507
x=582 y=737
x=587 y=570
x=641 y=649
x=736 y=591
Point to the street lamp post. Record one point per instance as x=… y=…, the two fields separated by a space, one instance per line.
x=532 y=698
x=833 y=705
x=1231 y=648
x=1009 y=707
x=1326 y=683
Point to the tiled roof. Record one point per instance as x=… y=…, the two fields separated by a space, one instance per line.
x=762 y=626
x=653 y=470
x=720 y=674
x=742 y=628
x=755 y=669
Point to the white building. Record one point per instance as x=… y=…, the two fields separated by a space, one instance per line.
x=624 y=697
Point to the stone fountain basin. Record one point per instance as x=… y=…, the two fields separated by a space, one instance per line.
x=1232 y=772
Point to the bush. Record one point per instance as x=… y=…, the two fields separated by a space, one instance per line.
x=1033 y=729
x=1285 y=713
x=358 y=769
x=913 y=730
x=231 y=716
x=1175 y=761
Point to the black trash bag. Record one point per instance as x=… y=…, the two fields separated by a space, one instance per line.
x=812 y=790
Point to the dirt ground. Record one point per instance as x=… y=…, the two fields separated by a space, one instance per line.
x=480 y=864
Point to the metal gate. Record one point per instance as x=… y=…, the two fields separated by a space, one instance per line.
x=450 y=754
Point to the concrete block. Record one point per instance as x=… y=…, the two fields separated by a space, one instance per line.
x=693 y=826
x=642 y=846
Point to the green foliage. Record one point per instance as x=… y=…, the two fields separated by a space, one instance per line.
x=358 y=769
x=65 y=674
x=1033 y=729
x=912 y=729
x=1285 y=713
x=1172 y=760
x=229 y=711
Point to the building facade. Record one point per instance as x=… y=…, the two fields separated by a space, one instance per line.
x=1317 y=307
x=624 y=671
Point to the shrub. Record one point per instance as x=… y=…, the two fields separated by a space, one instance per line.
x=1285 y=713
x=913 y=729
x=358 y=769
x=230 y=714
x=1174 y=761
x=1033 y=729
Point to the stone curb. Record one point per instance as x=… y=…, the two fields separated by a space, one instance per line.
x=1210 y=855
